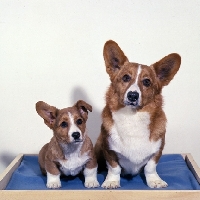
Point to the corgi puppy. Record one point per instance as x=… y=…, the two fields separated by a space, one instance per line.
x=133 y=122
x=70 y=150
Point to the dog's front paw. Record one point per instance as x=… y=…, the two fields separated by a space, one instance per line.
x=54 y=184
x=110 y=184
x=91 y=177
x=53 y=181
x=158 y=183
x=152 y=177
x=93 y=183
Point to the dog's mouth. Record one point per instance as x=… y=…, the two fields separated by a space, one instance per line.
x=67 y=141
x=78 y=141
x=133 y=104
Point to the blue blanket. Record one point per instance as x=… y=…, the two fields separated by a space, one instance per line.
x=171 y=168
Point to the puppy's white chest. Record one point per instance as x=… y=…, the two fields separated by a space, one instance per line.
x=74 y=162
x=129 y=138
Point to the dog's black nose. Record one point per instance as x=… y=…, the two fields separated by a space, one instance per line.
x=76 y=135
x=132 y=96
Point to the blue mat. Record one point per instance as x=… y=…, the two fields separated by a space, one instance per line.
x=171 y=168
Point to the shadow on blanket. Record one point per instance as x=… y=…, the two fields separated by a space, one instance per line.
x=171 y=168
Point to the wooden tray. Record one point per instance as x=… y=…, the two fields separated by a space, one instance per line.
x=96 y=194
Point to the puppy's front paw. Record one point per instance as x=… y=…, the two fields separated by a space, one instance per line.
x=93 y=183
x=53 y=181
x=110 y=184
x=91 y=177
x=54 y=184
x=159 y=183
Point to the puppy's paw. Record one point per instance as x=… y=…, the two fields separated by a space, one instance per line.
x=54 y=184
x=53 y=181
x=91 y=177
x=110 y=184
x=159 y=183
x=93 y=183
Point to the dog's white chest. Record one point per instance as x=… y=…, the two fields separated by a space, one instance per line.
x=74 y=162
x=129 y=138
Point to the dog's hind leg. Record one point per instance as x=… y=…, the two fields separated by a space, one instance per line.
x=112 y=180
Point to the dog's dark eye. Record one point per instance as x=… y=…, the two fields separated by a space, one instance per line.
x=64 y=124
x=126 y=78
x=79 y=121
x=146 y=82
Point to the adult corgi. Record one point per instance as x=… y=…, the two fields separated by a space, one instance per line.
x=133 y=122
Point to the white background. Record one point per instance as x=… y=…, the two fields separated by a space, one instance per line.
x=53 y=51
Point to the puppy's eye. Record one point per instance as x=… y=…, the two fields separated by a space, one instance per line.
x=79 y=121
x=146 y=82
x=126 y=78
x=64 y=124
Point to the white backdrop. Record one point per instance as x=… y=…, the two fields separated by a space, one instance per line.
x=53 y=51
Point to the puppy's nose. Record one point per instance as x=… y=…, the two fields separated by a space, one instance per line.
x=76 y=135
x=133 y=96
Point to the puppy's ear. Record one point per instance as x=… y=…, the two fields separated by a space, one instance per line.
x=83 y=108
x=114 y=58
x=166 y=68
x=47 y=112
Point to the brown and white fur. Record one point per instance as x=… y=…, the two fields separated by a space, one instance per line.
x=133 y=121
x=70 y=150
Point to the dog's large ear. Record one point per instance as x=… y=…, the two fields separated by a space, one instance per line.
x=166 y=68
x=83 y=108
x=114 y=58
x=47 y=112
